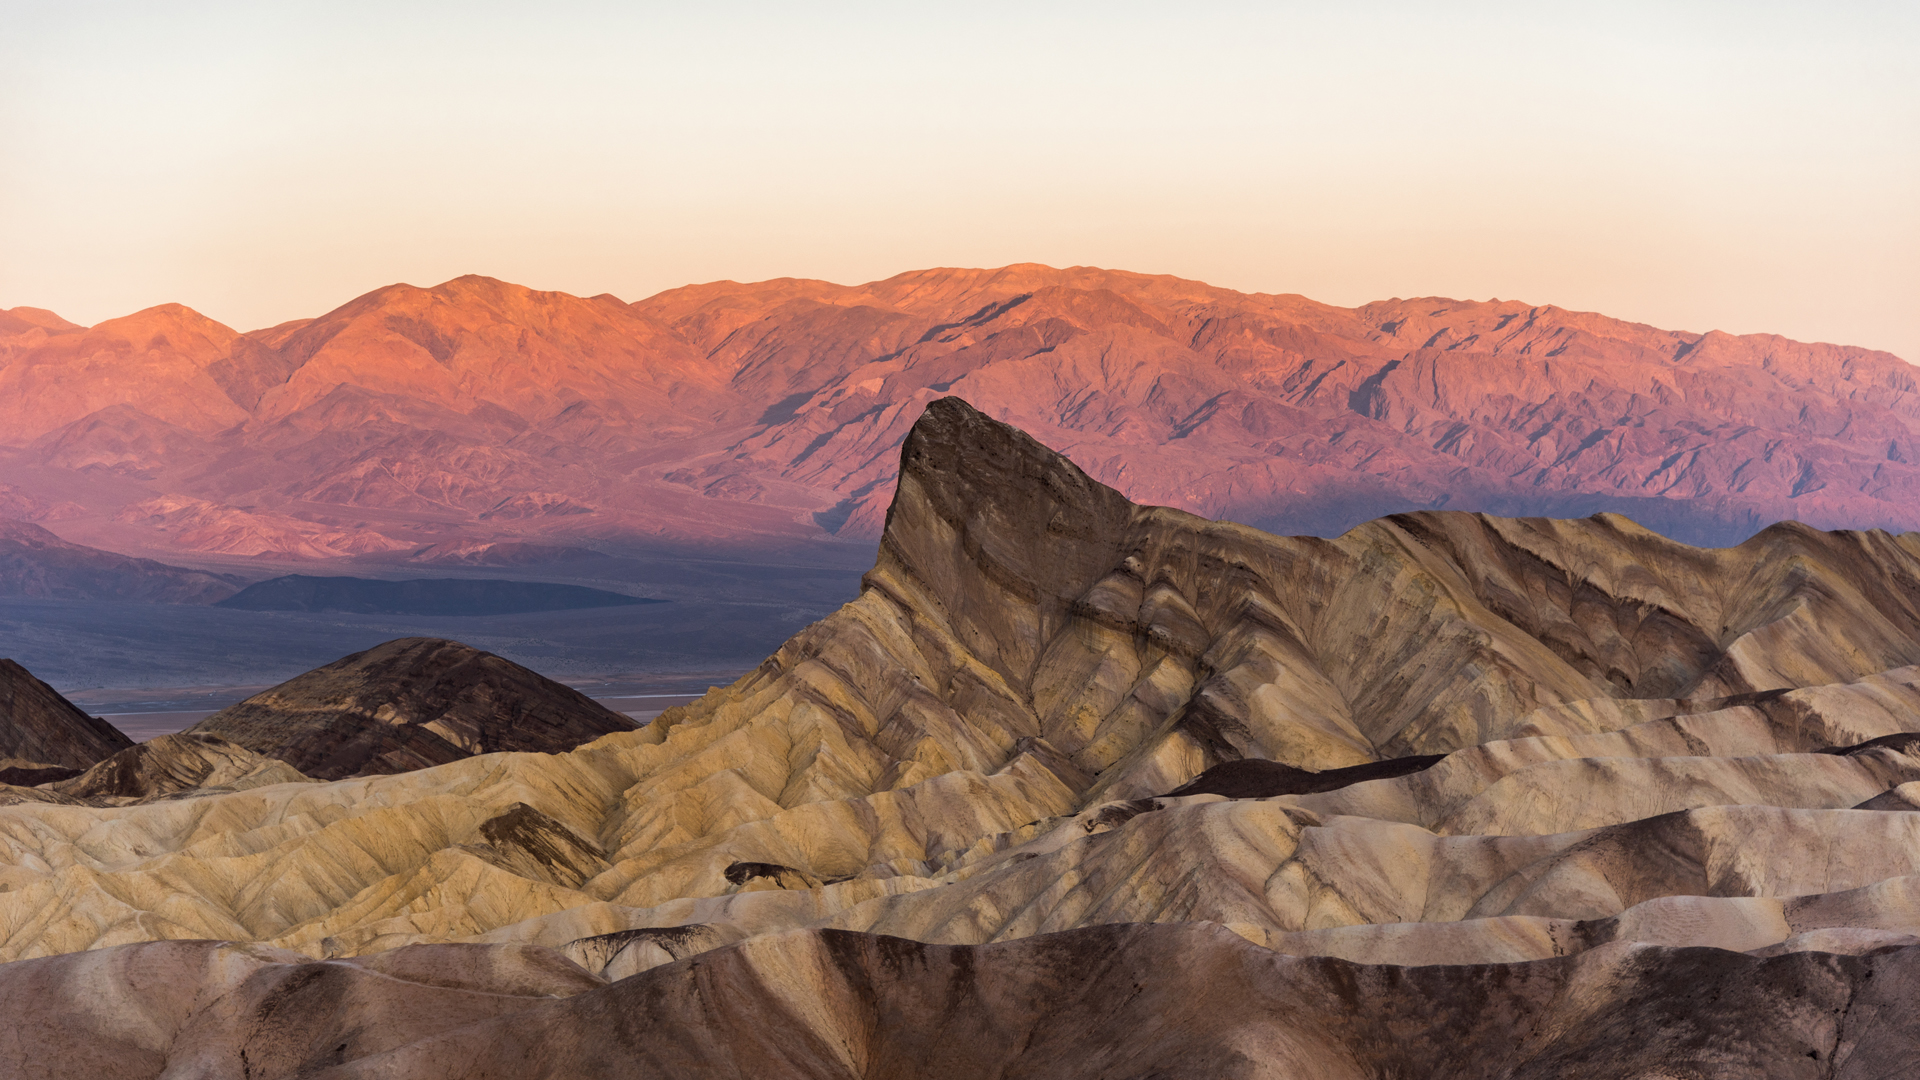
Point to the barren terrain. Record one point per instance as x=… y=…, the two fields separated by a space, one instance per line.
x=1075 y=787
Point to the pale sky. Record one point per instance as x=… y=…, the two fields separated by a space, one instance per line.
x=1740 y=166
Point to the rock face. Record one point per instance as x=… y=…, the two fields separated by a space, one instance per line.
x=410 y=704
x=38 y=725
x=756 y=415
x=1078 y=787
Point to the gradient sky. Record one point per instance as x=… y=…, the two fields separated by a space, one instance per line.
x=1741 y=166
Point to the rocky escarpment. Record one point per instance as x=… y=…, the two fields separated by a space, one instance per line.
x=1073 y=777
x=409 y=704
x=37 y=725
x=1139 y=645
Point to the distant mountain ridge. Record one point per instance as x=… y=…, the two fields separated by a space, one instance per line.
x=420 y=596
x=762 y=414
x=36 y=563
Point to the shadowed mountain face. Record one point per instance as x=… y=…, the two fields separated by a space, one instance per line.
x=420 y=596
x=35 y=562
x=763 y=414
x=410 y=704
x=1075 y=787
x=37 y=725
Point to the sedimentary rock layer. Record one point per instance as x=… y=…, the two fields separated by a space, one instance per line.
x=1104 y=1001
x=1074 y=777
x=38 y=725
x=408 y=704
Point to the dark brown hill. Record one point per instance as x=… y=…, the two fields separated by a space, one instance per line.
x=409 y=704
x=38 y=725
x=1102 y=1002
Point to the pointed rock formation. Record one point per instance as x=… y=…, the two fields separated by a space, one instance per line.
x=38 y=725
x=409 y=704
x=1074 y=787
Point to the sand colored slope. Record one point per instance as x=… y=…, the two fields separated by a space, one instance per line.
x=1651 y=760
x=978 y=747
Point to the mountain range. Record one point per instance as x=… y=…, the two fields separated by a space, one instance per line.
x=746 y=417
x=1075 y=787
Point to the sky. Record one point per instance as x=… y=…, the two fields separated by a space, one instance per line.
x=1749 y=167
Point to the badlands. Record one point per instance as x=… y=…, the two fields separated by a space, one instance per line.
x=1074 y=788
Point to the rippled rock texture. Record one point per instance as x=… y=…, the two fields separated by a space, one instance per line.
x=39 y=727
x=408 y=704
x=1078 y=787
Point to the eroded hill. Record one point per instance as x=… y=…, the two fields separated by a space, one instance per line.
x=1673 y=824
x=406 y=705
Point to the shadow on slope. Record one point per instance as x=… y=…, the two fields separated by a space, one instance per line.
x=421 y=596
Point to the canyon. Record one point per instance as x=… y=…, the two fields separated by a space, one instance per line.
x=1075 y=786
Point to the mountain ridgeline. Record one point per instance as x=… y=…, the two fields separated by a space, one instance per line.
x=420 y=596
x=748 y=417
x=1075 y=787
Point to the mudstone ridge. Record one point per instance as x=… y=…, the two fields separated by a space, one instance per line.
x=1075 y=787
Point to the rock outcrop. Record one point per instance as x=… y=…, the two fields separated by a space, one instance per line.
x=37 y=725
x=410 y=704
x=1075 y=784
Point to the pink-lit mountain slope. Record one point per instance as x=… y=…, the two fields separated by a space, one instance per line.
x=765 y=414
